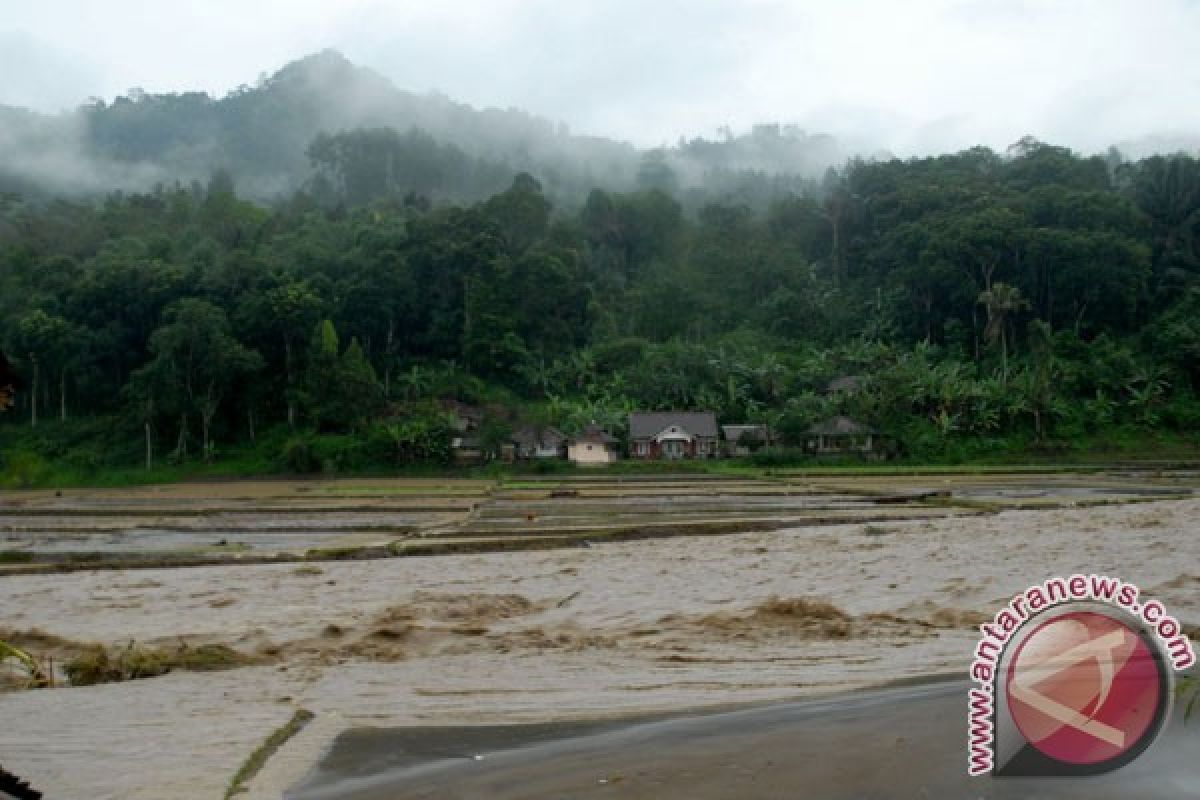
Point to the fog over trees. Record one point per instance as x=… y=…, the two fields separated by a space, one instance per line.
x=319 y=117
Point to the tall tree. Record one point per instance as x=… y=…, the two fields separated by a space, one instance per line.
x=195 y=360
x=1002 y=302
x=53 y=345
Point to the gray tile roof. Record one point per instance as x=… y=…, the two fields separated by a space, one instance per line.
x=846 y=383
x=734 y=432
x=533 y=436
x=594 y=433
x=646 y=424
x=840 y=426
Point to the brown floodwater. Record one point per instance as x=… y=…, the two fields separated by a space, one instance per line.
x=657 y=626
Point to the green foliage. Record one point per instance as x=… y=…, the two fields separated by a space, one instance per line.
x=298 y=455
x=770 y=457
x=36 y=675
x=330 y=454
x=255 y=761
x=195 y=362
x=421 y=436
x=341 y=391
x=23 y=470
x=989 y=304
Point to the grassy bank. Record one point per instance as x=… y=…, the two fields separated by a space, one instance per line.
x=87 y=453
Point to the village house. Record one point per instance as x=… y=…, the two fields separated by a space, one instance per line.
x=742 y=440
x=844 y=386
x=593 y=446
x=842 y=436
x=657 y=435
x=534 y=441
x=466 y=420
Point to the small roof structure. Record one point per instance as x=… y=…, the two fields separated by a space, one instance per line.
x=538 y=436
x=648 y=424
x=840 y=426
x=466 y=416
x=846 y=384
x=733 y=433
x=595 y=434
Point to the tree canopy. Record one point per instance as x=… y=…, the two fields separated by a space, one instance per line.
x=1035 y=295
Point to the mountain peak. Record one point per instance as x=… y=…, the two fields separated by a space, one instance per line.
x=324 y=65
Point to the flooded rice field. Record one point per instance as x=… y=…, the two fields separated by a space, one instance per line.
x=552 y=600
x=238 y=522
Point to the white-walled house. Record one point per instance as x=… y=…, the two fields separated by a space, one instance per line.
x=593 y=446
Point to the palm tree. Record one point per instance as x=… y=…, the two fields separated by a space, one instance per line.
x=1146 y=387
x=770 y=375
x=415 y=382
x=36 y=676
x=538 y=374
x=1001 y=301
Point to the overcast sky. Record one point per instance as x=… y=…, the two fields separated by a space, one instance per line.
x=911 y=75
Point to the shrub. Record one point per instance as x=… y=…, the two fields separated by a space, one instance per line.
x=779 y=457
x=298 y=455
x=550 y=466
x=24 y=470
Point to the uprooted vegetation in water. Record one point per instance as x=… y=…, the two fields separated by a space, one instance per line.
x=39 y=658
x=429 y=622
x=98 y=664
x=30 y=673
x=28 y=658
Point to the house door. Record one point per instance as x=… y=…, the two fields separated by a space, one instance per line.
x=673 y=449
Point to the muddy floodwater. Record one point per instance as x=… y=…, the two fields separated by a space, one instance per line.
x=442 y=604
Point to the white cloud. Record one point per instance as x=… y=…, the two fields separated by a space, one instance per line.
x=913 y=76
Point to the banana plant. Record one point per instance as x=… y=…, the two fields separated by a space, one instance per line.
x=37 y=677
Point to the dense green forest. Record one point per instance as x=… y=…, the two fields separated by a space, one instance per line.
x=992 y=304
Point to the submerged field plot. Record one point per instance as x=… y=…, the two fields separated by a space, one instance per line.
x=249 y=522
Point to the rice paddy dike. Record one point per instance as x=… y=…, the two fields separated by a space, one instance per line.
x=255 y=522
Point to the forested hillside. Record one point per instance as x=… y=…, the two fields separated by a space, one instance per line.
x=1035 y=301
x=348 y=135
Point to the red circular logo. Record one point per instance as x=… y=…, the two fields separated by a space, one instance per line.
x=1085 y=688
